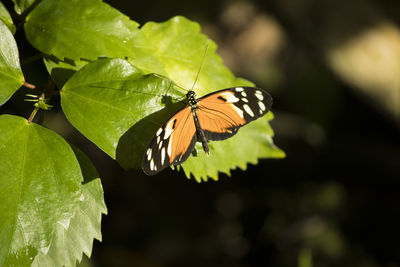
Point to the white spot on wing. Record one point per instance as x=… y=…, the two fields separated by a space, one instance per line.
x=160 y=145
x=229 y=96
x=262 y=106
x=238 y=111
x=244 y=94
x=168 y=128
x=158 y=139
x=169 y=148
x=239 y=89
x=245 y=100
x=159 y=131
x=162 y=155
x=248 y=110
x=259 y=95
x=149 y=154
x=152 y=164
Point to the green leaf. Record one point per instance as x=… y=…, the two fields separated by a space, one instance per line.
x=40 y=181
x=251 y=143
x=68 y=244
x=21 y=5
x=6 y=18
x=175 y=49
x=120 y=113
x=80 y=29
x=11 y=77
x=62 y=70
x=107 y=97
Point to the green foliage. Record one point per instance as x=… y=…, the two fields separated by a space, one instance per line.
x=11 y=77
x=40 y=179
x=6 y=18
x=118 y=84
x=85 y=29
x=305 y=258
x=175 y=49
x=21 y=6
x=107 y=97
x=258 y=144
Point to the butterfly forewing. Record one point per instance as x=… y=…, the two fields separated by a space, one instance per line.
x=222 y=113
x=172 y=143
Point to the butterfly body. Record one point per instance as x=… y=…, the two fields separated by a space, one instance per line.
x=216 y=116
x=192 y=102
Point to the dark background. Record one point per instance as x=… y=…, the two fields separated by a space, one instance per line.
x=333 y=201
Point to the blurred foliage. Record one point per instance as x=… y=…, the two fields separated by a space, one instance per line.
x=334 y=201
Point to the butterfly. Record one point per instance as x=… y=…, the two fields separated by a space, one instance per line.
x=216 y=116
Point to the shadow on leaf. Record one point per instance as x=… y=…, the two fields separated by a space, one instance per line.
x=134 y=142
x=62 y=70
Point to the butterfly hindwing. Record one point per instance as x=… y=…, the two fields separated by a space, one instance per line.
x=223 y=112
x=172 y=143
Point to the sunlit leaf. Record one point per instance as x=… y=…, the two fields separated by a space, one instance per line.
x=68 y=244
x=43 y=203
x=80 y=29
x=107 y=97
x=120 y=113
x=6 y=18
x=176 y=49
x=11 y=77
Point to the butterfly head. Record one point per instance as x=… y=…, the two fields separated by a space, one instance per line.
x=191 y=96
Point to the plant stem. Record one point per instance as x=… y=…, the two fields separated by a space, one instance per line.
x=28 y=85
x=33 y=114
x=35 y=110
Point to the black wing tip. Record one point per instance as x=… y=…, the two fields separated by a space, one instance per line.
x=150 y=172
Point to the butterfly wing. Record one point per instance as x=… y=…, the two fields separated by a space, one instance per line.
x=172 y=143
x=223 y=112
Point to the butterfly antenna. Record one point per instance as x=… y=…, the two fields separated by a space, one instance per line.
x=165 y=78
x=201 y=65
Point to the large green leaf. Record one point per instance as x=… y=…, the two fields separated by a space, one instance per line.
x=77 y=29
x=175 y=49
x=6 y=18
x=120 y=114
x=42 y=198
x=68 y=244
x=21 y=5
x=107 y=97
x=11 y=77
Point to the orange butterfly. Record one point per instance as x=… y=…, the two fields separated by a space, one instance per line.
x=216 y=116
